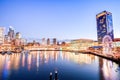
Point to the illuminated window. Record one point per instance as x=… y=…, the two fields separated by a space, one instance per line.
x=103 y=25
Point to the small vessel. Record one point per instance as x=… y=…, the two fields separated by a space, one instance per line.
x=9 y=52
x=3 y=52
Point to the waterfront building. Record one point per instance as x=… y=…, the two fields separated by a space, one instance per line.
x=54 y=41
x=48 y=41
x=81 y=44
x=17 y=42
x=2 y=29
x=116 y=42
x=23 y=41
x=63 y=43
x=6 y=39
x=18 y=35
x=20 y=42
x=58 y=43
x=104 y=25
x=43 y=41
x=5 y=47
x=116 y=45
x=11 y=33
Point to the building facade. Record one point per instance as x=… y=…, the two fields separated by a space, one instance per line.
x=2 y=35
x=20 y=42
x=43 y=41
x=104 y=25
x=54 y=41
x=18 y=35
x=11 y=33
x=81 y=44
x=6 y=39
x=48 y=41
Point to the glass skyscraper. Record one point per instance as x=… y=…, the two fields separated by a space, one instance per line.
x=104 y=25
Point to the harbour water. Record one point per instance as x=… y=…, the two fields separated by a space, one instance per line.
x=38 y=65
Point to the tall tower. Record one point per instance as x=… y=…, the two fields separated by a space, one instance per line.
x=48 y=41
x=54 y=41
x=43 y=41
x=104 y=25
x=2 y=29
x=18 y=35
x=11 y=33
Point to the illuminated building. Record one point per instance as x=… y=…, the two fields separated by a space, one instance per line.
x=11 y=33
x=1 y=35
x=104 y=25
x=48 y=41
x=6 y=39
x=17 y=42
x=116 y=45
x=54 y=41
x=23 y=41
x=58 y=43
x=81 y=44
x=43 y=41
x=18 y=35
x=20 y=42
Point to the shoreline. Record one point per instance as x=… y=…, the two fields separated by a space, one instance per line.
x=109 y=57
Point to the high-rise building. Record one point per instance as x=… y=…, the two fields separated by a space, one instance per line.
x=20 y=41
x=48 y=41
x=2 y=35
x=18 y=35
x=43 y=41
x=6 y=39
x=11 y=33
x=54 y=41
x=104 y=25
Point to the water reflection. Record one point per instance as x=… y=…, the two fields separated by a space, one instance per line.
x=110 y=70
x=44 y=61
x=79 y=57
x=23 y=60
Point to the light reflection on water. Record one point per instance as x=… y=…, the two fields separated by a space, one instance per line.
x=111 y=71
x=71 y=66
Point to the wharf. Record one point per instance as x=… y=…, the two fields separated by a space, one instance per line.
x=114 y=57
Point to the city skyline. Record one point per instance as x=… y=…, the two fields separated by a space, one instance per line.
x=61 y=19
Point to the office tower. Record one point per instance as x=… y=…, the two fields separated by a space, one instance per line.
x=48 y=41
x=58 y=43
x=11 y=33
x=6 y=39
x=104 y=25
x=18 y=35
x=2 y=35
x=54 y=41
x=43 y=41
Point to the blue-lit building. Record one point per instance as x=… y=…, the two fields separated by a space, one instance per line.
x=104 y=25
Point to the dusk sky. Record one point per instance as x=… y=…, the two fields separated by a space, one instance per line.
x=61 y=19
